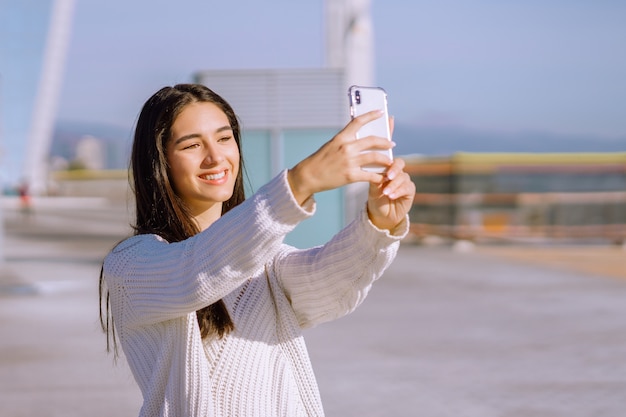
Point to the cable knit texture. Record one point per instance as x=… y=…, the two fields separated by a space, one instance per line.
x=271 y=290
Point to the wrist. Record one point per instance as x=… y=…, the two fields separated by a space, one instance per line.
x=297 y=183
x=398 y=231
x=381 y=222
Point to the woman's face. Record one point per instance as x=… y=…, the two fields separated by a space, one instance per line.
x=203 y=157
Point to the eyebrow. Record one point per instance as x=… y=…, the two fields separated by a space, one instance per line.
x=196 y=135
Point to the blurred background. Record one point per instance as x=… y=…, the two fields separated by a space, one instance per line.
x=462 y=77
x=510 y=116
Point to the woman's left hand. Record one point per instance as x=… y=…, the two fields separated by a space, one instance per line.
x=389 y=201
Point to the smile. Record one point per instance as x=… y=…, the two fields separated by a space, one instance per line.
x=213 y=177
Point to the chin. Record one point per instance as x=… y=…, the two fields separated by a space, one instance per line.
x=225 y=198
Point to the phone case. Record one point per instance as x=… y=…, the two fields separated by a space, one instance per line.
x=363 y=100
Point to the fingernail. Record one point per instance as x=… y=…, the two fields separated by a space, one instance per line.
x=386 y=191
x=393 y=144
x=391 y=175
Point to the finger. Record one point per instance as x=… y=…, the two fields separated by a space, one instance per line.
x=374 y=178
x=399 y=188
x=392 y=123
x=374 y=158
x=373 y=142
x=396 y=168
x=399 y=181
x=358 y=122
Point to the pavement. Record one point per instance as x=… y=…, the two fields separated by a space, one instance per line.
x=445 y=332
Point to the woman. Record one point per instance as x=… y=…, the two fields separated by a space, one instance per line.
x=208 y=302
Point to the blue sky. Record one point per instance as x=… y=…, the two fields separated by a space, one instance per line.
x=551 y=65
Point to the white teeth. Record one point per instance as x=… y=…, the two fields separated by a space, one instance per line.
x=217 y=176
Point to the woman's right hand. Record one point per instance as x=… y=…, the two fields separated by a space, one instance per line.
x=338 y=162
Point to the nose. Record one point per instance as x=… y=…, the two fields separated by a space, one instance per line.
x=213 y=155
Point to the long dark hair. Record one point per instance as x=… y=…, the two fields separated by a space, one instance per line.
x=159 y=210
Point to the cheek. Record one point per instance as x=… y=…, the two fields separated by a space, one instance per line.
x=174 y=178
x=234 y=157
x=177 y=172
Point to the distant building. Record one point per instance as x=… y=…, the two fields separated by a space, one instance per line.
x=522 y=197
x=90 y=153
x=286 y=115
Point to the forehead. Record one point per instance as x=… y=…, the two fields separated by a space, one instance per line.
x=199 y=117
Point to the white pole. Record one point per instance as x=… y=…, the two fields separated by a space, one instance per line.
x=359 y=44
x=335 y=23
x=42 y=124
x=350 y=45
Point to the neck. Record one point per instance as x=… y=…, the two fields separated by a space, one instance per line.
x=206 y=218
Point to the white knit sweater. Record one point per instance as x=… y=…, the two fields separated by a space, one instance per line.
x=271 y=291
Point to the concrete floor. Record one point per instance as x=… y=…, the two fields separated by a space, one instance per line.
x=444 y=333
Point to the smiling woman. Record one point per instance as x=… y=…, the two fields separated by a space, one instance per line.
x=208 y=302
x=204 y=160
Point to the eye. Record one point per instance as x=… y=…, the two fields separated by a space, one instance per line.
x=225 y=139
x=191 y=146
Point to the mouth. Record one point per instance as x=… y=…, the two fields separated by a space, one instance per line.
x=214 y=177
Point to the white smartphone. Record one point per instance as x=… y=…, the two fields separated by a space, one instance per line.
x=363 y=100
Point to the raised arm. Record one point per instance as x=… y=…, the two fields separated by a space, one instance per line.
x=163 y=280
x=330 y=281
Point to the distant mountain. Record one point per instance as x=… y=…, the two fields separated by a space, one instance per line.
x=427 y=140
x=442 y=140
x=117 y=141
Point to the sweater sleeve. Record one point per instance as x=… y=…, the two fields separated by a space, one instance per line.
x=327 y=282
x=161 y=280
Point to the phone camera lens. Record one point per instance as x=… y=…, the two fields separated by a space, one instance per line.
x=357 y=96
